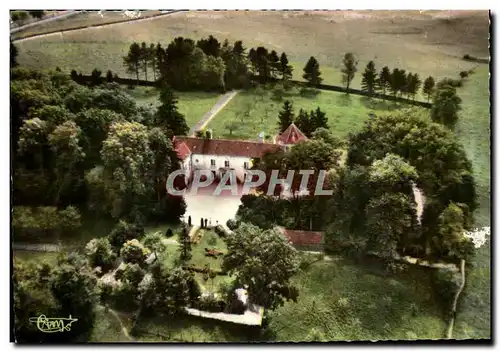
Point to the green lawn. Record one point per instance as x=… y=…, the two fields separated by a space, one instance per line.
x=108 y=329
x=346 y=113
x=209 y=240
x=193 y=105
x=344 y=301
x=35 y=257
x=474 y=307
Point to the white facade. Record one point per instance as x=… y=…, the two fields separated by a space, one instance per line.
x=216 y=162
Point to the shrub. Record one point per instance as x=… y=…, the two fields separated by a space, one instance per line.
x=467 y=57
x=219 y=230
x=169 y=233
x=124 y=232
x=232 y=224
x=134 y=252
x=100 y=253
x=464 y=74
x=210 y=304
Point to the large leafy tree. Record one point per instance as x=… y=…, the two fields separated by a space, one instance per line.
x=210 y=46
x=127 y=160
x=312 y=73
x=65 y=142
x=265 y=261
x=13 y=55
x=369 y=81
x=445 y=106
x=349 y=70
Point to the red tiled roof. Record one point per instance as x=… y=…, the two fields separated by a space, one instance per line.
x=298 y=237
x=291 y=135
x=224 y=147
x=182 y=150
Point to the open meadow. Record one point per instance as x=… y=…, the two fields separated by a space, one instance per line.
x=253 y=112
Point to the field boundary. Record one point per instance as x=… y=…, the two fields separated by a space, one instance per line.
x=29 y=36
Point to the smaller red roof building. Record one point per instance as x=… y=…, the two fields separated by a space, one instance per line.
x=303 y=238
x=291 y=135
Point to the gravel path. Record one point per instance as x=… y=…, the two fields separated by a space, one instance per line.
x=219 y=105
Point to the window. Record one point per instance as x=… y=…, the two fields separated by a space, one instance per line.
x=226 y=163
x=212 y=162
x=245 y=165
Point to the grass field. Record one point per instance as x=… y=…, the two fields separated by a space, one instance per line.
x=74 y=21
x=193 y=105
x=35 y=257
x=346 y=113
x=343 y=301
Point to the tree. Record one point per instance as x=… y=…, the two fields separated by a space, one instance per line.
x=303 y=122
x=399 y=81
x=95 y=77
x=451 y=240
x=326 y=135
x=132 y=61
x=134 y=252
x=168 y=291
x=100 y=253
x=66 y=146
x=123 y=232
x=168 y=116
x=232 y=126
x=13 y=55
x=127 y=159
x=154 y=242
x=312 y=73
x=274 y=63
x=384 y=79
x=210 y=46
x=160 y=55
x=318 y=119
x=109 y=76
x=349 y=69
x=74 y=287
x=265 y=261
x=284 y=68
x=286 y=116
x=369 y=81
x=428 y=88
x=445 y=106
x=152 y=59
x=144 y=59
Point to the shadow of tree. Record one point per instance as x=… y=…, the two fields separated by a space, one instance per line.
x=344 y=100
x=379 y=104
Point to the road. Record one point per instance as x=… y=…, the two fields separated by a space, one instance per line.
x=219 y=105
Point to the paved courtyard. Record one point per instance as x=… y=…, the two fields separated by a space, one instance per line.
x=204 y=204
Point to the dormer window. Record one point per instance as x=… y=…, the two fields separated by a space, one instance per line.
x=226 y=163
